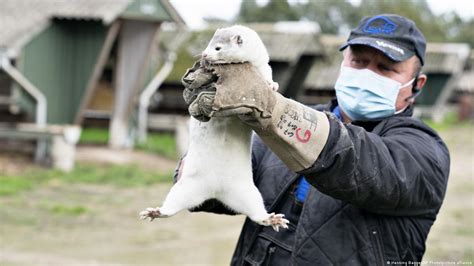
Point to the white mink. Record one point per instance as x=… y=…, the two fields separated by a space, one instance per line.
x=218 y=162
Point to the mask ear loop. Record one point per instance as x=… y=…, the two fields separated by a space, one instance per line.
x=415 y=90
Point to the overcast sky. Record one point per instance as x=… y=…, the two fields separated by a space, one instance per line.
x=193 y=11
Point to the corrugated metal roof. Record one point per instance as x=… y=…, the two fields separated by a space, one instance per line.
x=18 y=20
x=105 y=10
x=22 y=19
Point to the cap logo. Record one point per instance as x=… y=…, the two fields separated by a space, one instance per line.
x=390 y=46
x=379 y=25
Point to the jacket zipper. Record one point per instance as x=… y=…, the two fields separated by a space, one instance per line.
x=270 y=253
x=377 y=247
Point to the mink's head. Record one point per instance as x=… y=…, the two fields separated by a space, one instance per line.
x=235 y=44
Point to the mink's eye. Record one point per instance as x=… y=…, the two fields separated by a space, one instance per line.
x=218 y=48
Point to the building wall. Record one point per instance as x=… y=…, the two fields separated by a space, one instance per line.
x=59 y=62
x=432 y=89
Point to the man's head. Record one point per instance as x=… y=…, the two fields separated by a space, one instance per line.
x=390 y=46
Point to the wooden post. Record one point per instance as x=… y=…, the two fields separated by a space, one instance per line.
x=99 y=67
x=135 y=41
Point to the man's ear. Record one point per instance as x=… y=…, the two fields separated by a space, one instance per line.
x=237 y=39
x=421 y=81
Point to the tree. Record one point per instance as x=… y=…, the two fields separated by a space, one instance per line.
x=334 y=17
x=249 y=11
x=465 y=33
x=273 y=11
x=457 y=29
x=339 y=16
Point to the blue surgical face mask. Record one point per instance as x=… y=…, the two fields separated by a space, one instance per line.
x=364 y=95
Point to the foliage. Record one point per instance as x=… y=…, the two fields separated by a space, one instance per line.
x=334 y=17
x=459 y=30
x=339 y=16
x=273 y=11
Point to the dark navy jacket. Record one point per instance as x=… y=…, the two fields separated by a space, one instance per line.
x=376 y=190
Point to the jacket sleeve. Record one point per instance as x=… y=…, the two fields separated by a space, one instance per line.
x=402 y=170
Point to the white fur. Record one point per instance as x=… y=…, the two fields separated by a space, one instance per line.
x=218 y=163
x=251 y=50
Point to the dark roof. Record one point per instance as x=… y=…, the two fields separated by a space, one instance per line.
x=323 y=73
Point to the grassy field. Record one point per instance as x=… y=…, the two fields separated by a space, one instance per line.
x=118 y=175
x=159 y=143
x=90 y=216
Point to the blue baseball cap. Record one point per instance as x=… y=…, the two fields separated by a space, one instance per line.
x=396 y=36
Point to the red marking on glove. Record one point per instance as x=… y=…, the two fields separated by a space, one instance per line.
x=307 y=135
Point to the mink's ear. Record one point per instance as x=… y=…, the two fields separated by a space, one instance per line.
x=237 y=39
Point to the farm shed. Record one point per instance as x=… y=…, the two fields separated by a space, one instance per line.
x=464 y=91
x=58 y=56
x=445 y=64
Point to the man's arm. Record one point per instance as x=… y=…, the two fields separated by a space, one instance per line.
x=402 y=172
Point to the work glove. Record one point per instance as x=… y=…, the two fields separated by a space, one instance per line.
x=294 y=132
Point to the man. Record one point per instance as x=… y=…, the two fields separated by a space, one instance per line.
x=360 y=180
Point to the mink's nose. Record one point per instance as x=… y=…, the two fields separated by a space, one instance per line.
x=204 y=55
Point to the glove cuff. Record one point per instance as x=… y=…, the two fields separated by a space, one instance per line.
x=295 y=133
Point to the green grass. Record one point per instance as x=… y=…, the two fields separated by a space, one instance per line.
x=94 y=136
x=12 y=184
x=448 y=122
x=122 y=176
x=61 y=209
x=159 y=143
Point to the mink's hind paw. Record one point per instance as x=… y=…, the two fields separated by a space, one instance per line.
x=151 y=213
x=277 y=221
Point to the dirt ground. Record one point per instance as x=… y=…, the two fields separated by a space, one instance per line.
x=107 y=231
x=452 y=236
